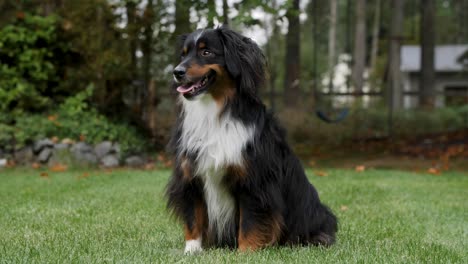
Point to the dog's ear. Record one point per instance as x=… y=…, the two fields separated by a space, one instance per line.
x=231 y=45
x=244 y=61
x=181 y=40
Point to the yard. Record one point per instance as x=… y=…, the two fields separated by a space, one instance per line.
x=119 y=216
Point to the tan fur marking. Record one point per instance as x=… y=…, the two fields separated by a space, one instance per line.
x=199 y=223
x=224 y=87
x=201 y=45
x=196 y=71
x=186 y=169
x=262 y=235
x=236 y=173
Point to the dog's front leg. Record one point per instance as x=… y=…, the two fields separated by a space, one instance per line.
x=259 y=225
x=194 y=228
x=185 y=195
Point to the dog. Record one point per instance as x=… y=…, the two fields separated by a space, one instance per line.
x=236 y=183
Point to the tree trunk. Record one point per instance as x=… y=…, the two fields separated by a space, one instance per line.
x=133 y=35
x=225 y=12
x=332 y=43
x=147 y=43
x=375 y=38
x=427 y=75
x=292 y=62
x=272 y=51
x=359 y=56
x=101 y=89
x=151 y=111
x=182 y=17
x=396 y=32
x=211 y=12
x=48 y=6
x=181 y=22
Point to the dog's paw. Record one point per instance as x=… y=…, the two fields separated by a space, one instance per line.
x=193 y=246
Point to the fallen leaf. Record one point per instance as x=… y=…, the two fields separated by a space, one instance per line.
x=434 y=171
x=67 y=25
x=312 y=163
x=161 y=157
x=58 y=167
x=20 y=15
x=44 y=175
x=52 y=118
x=446 y=167
x=168 y=163
x=84 y=175
x=149 y=166
x=321 y=173
x=82 y=138
x=11 y=164
x=344 y=208
x=35 y=165
x=360 y=168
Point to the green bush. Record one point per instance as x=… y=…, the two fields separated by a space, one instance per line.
x=415 y=122
x=73 y=119
x=36 y=101
x=306 y=132
x=31 y=54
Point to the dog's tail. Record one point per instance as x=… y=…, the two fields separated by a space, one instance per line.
x=328 y=228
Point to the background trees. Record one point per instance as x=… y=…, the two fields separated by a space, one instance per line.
x=125 y=50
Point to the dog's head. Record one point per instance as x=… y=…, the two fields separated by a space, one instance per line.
x=220 y=62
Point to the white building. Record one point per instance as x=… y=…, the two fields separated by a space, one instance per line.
x=451 y=76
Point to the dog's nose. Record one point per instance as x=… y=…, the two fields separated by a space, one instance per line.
x=179 y=72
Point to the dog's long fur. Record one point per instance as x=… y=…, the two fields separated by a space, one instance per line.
x=236 y=181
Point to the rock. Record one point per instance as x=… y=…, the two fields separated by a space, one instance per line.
x=68 y=141
x=3 y=163
x=41 y=144
x=102 y=149
x=89 y=158
x=110 y=161
x=24 y=155
x=61 y=146
x=86 y=157
x=81 y=147
x=115 y=149
x=60 y=156
x=44 y=156
x=83 y=153
x=135 y=161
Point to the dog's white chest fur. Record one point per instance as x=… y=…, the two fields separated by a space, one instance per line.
x=217 y=142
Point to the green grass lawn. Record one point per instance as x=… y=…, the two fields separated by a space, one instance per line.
x=120 y=216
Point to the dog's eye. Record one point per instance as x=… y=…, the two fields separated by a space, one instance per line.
x=206 y=53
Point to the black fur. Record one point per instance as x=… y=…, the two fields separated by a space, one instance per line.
x=275 y=184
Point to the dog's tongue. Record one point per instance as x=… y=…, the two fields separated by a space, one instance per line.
x=187 y=87
x=184 y=89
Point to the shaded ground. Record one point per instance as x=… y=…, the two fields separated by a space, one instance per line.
x=119 y=216
x=441 y=152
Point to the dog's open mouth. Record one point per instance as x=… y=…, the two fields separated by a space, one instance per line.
x=194 y=88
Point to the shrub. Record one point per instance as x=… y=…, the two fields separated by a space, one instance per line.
x=73 y=119
x=308 y=133
x=30 y=57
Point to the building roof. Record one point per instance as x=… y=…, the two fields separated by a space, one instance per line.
x=446 y=58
